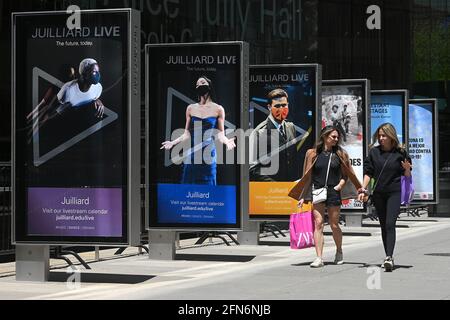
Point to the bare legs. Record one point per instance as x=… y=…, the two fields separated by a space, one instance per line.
x=333 y=217
x=319 y=213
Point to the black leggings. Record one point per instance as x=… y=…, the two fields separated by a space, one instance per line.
x=388 y=209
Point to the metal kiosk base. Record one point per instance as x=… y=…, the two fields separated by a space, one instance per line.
x=250 y=235
x=32 y=262
x=162 y=245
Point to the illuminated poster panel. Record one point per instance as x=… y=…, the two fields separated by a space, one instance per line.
x=76 y=127
x=195 y=106
x=389 y=106
x=423 y=150
x=283 y=104
x=345 y=104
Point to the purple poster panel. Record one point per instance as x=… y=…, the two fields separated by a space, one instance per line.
x=77 y=212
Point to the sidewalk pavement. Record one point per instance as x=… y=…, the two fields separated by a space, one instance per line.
x=269 y=271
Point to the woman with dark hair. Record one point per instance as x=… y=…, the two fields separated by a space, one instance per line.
x=201 y=120
x=327 y=166
x=386 y=162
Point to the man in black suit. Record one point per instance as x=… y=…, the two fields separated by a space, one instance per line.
x=282 y=130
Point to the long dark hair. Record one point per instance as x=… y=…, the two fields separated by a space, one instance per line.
x=320 y=143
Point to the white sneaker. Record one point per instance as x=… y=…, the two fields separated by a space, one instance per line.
x=339 y=258
x=317 y=263
x=388 y=264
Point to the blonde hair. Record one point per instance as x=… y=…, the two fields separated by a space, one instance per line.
x=388 y=130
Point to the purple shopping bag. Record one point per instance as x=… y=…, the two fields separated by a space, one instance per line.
x=301 y=229
x=407 y=190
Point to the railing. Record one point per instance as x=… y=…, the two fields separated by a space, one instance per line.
x=5 y=209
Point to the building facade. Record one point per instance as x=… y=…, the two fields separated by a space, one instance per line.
x=410 y=50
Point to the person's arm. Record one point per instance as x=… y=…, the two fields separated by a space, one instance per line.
x=307 y=162
x=363 y=192
x=186 y=135
x=366 y=181
x=340 y=185
x=306 y=165
x=407 y=167
x=98 y=104
x=61 y=95
x=221 y=126
x=344 y=178
x=44 y=103
x=406 y=164
x=100 y=108
x=368 y=174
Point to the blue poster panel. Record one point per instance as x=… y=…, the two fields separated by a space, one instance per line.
x=423 y=149
x=194 y=107
x=389 y=106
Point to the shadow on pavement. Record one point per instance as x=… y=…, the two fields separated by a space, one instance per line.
x=101 y=277
x=396 y=266
x=275 y=243
x=361 y=265
x=440 y=254
x=326 y=263
x=368 y=225
x=214 y=257
x=350 y=233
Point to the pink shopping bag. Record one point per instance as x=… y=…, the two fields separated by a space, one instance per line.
x=301 y=229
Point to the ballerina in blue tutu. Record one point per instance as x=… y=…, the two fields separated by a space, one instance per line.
x=203 y=119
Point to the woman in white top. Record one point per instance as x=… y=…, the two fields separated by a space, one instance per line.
x=83 y=91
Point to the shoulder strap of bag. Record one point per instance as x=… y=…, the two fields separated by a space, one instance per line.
x=382 y=169
x=328 y=170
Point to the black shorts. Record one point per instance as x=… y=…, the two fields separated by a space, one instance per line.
x=333 y=198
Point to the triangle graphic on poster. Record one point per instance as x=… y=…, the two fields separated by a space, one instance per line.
x=39 y=159
x=171 y=93
x=302 y=135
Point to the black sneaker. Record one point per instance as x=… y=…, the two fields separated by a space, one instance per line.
x=388 y=264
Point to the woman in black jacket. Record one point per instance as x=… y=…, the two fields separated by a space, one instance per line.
x=386 y=163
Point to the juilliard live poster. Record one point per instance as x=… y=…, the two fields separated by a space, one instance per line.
x=71 y=102
x=283 y=102
x=194 y=101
